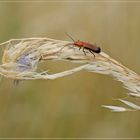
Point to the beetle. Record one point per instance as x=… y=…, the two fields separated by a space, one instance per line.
x=93 y=48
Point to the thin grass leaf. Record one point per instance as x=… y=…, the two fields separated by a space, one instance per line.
x=134 y=94
x=115 y=108
x=130 y=104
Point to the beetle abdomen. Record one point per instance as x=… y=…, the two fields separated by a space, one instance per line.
x=97 y=49
x=93 y=48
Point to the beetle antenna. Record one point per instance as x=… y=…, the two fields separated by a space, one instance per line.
x=70 y=37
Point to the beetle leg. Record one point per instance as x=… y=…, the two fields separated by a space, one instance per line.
x=79 y=48
x=92 y=53
x=84 y=51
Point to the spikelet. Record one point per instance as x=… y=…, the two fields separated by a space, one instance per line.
x=21 y=58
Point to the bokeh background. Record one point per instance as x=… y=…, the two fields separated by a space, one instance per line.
x=70 y=107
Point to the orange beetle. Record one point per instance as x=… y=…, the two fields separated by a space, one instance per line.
x=85 y=45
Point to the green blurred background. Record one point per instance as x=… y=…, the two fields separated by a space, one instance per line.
x=70 y=106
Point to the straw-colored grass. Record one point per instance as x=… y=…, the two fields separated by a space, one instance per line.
x=21 y=58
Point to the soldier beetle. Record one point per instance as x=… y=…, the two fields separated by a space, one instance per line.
x=93 y=48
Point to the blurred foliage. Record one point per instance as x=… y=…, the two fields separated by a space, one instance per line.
x=70 y=106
